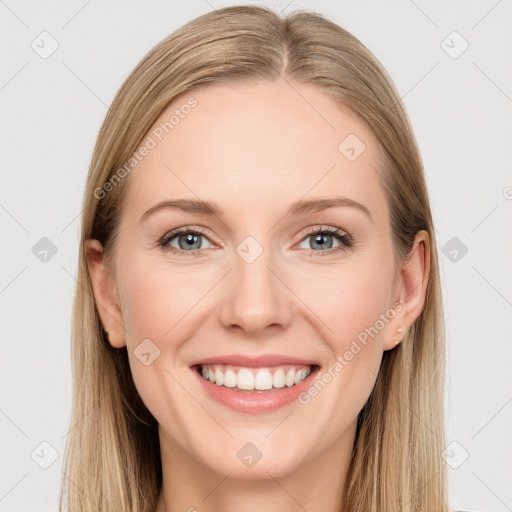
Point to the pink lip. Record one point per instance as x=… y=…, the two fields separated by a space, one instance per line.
x=254 y=362
x=254 y=402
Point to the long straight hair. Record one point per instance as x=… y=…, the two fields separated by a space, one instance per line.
x=112 y=457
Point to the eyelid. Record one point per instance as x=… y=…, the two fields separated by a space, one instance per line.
x=185 y=229
x=335 y=232
x=173 y=233
x=322 y=228
x=306 y=233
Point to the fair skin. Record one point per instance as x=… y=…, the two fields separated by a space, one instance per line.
x=253 y=150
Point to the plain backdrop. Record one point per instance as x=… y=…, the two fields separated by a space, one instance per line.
x=451 y=64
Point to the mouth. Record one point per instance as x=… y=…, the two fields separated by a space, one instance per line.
x=256 y=380
x=254 y=385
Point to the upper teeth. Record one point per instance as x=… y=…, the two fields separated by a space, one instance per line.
x=255 y=378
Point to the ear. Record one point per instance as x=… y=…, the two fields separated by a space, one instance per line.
x=412 y=288
x=105 y=293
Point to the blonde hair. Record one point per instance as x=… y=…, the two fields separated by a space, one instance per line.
x=112 y=459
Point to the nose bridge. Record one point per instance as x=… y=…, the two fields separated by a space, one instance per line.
x=255 y=298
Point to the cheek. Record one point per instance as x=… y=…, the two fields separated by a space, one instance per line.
x=158 y=305
x=349 y=305
x=349 y=301
x=156 y=297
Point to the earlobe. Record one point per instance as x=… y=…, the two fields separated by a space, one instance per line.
x=414 y=277
x=105 y=293
x=397 y=339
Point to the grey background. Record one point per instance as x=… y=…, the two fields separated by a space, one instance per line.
x=51 y=111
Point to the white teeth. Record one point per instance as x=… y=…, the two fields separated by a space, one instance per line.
x=251 y=378
x=229 y=379
x=278 y=379
x=245 y=379
x=300 y=376
x=263 y=380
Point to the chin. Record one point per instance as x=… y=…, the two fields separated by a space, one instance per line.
x=261 y=470
x=247 y=460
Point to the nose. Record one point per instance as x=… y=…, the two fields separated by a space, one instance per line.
x=255 y=298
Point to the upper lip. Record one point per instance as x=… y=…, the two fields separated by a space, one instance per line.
x=254 y=362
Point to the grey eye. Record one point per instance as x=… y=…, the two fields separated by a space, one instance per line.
x=186 y=241
x=320 y=241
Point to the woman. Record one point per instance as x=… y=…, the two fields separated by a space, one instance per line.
x=258 y=322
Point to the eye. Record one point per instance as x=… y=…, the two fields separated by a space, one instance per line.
x=323 y=240
x=184 y=240
x=191 y=241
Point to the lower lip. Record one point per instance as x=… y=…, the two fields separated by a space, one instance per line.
x=251 y=401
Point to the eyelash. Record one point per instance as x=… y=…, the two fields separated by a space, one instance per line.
x=342 y=236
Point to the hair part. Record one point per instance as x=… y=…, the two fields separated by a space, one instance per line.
x=112 y=458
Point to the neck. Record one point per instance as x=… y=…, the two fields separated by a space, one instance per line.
x=314 y=485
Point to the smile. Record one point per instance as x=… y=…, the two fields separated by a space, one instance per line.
x=260 y=379
x=254 y=385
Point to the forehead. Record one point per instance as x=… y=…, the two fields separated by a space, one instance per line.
x=252 y=145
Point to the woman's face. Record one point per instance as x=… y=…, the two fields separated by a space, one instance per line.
x=290 y=258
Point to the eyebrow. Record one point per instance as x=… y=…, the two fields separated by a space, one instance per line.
x=297 y=208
